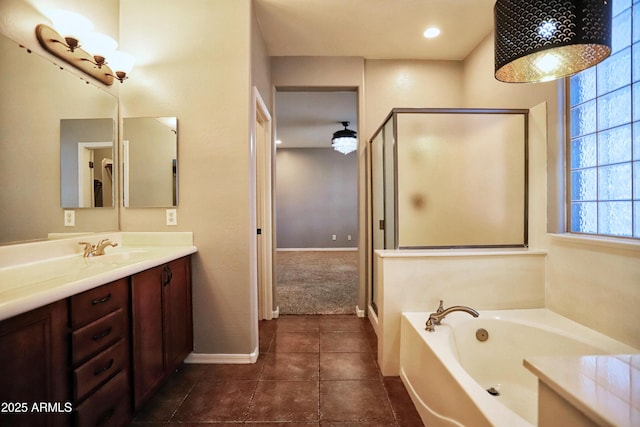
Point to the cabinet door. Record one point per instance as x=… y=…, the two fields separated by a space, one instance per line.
x=178 y=317
x=33 y=368
x=147 y=335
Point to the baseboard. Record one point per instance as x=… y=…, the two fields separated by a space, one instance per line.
x=359 y=313
x=373 y=319
x=315 y=249
x=235 y=359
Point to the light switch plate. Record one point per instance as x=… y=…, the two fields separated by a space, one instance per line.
x=172 y=217
x=69 y=218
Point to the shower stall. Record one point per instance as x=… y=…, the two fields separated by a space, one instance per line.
x=449 y=178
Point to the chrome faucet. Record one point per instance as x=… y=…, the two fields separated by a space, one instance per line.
x=441 y=313
x=96 y=250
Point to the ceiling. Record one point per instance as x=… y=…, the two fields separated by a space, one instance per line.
x=374 y=29
x=371 y=29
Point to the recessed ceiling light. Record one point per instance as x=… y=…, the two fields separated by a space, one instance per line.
x=431 y=32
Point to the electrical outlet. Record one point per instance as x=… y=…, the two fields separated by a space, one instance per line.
x=348 y=236
x=69 y=218
x=334 y=237
x=172 y=217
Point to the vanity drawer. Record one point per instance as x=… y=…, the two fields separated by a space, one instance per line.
x=99 y=368
x=95 y=303
x=108 y=406
x=98 y=335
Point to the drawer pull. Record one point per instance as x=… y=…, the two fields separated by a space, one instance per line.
x=167 y=275
x=101 y=300
x=102 y=334
x=106 y=416
x=103 y=369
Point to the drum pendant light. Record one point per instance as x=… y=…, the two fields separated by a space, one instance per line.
x=544 y=40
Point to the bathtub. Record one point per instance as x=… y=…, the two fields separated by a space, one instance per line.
x=448 y=372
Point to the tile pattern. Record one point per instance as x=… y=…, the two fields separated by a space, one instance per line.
x=313 y=371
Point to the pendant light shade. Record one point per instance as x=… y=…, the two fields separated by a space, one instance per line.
x=545 y=40
x=345 y=140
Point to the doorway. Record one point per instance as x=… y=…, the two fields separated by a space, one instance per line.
x=316 y=203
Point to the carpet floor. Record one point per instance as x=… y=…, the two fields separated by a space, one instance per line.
x=317 y=282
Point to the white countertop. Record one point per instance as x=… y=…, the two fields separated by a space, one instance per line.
x=605 y=388
x=36 y=274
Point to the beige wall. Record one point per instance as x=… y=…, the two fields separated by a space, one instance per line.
x=594 y=284
x=194 y=63
x=403 y=83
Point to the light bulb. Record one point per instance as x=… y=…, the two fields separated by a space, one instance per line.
x=431 y=32
x=99 y=44
x=71 y=24
x=121 y=61
x=547 y=63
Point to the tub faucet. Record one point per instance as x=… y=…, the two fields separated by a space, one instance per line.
x=441 y=313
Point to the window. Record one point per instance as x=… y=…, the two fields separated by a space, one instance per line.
x=604 y=145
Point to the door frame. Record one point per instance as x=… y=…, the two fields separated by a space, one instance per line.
x=263 y=152
x=86 y=175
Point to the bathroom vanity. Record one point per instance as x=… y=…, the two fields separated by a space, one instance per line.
x=102 y=340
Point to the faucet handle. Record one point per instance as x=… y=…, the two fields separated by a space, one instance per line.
x=440 y=308
x=88 y=249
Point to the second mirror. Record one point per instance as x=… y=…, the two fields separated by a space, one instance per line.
x=150 y=161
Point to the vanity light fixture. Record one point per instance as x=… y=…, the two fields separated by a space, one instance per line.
x=73 y=41
x=539 y=40
x=345 y=140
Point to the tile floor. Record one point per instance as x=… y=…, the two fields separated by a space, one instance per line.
x=312 y=371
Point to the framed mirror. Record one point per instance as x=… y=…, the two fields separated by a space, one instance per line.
x=36 y=96
x=150 y=162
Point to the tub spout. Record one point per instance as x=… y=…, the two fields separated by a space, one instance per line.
x=441 y=313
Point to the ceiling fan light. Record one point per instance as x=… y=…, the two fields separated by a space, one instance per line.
x=345 y=140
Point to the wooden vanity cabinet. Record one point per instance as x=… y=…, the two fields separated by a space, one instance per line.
x=162 y=326
x=100 y=355
x=87 y=359
x=34 y=368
